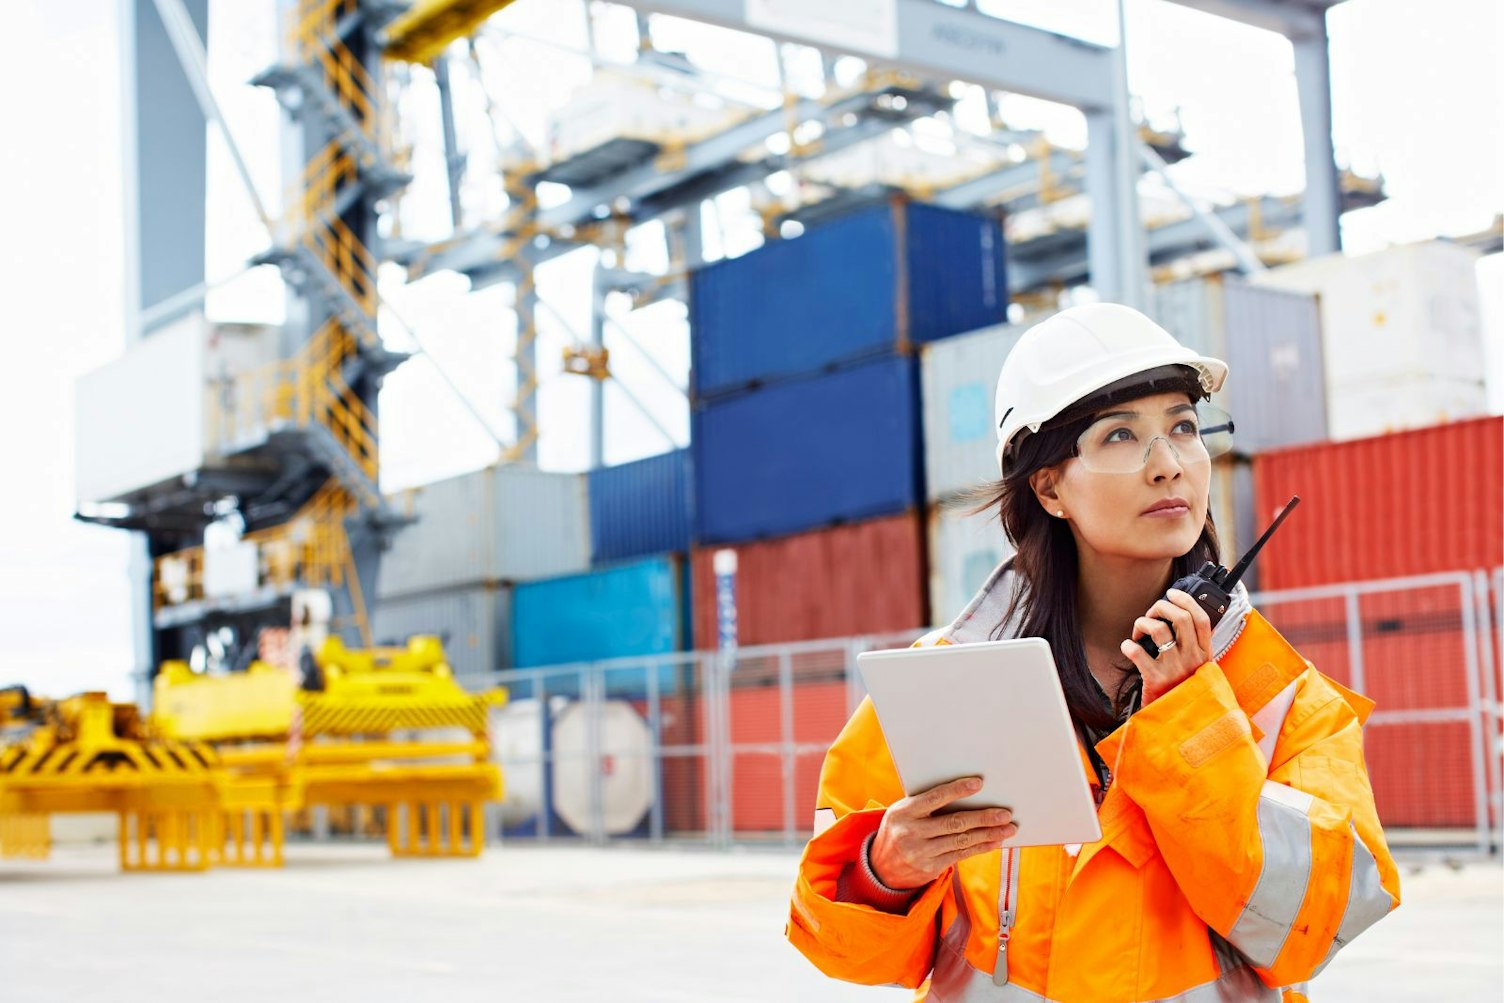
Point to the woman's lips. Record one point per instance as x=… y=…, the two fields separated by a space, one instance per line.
x=1172 y=512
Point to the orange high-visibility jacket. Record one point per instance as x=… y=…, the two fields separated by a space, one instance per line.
x=1240 y=849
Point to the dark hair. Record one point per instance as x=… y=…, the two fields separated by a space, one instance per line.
x=1046 y=558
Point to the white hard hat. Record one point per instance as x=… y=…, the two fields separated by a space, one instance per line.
x=1076 y=353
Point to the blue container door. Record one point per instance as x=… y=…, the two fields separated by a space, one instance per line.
x=641 y=508
x=630 y=610
x=957 y=278
x=797 y=306
x=808 y=453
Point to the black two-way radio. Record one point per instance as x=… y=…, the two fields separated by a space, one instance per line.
x=1212 y=586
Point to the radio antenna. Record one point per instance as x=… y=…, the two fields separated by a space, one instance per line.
x=1242 y=566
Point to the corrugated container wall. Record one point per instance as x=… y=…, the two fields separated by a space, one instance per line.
x=1233 y=512
x=1403 y=335
x=964 y=550
x=958 y=377
x=808 y=453
x=474 y=624
x=1271 y=342
x=1411 y=503
x=640 y=508
x=633 y=609
x=865 y=578
x=503 y=523
x=879 y=280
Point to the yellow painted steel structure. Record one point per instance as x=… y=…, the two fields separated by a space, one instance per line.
x=422 y=33
x=210 y=778
x=91 y=755
x=347 y=743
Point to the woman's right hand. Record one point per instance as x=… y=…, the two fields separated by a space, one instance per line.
x=914 y=846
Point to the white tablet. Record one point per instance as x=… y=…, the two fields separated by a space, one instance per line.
x=994 y=710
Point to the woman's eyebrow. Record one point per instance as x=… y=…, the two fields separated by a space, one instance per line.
x=1180 y=407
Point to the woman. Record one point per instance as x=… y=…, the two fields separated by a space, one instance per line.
x=1240 y=848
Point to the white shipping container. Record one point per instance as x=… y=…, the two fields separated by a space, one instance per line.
x=1394 y=405
x=964 y=550
x=148 y=417
x=958 y=379
x=474 y=625
x=1408 y=312
x=499 y=524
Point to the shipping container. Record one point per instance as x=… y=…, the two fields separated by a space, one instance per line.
x=473 y=623
x=640 y=508
x=499 y=524
x=964 y=550
x=958 y=379
x=1271 y=342
x=631 y=609
x=808 y=453
x=862 y=578
x=1411 y=503
x=1401 y=329
x=880 y=280
x=1230 y=498
x=169 y=407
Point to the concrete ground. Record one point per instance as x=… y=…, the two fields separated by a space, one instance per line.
x=343 y=922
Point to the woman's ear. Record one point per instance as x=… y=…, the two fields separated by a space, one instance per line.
x=1044 y=484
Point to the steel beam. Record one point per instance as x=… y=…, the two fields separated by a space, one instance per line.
x=950 y=43
x=1288 y=17
x=1323 y=195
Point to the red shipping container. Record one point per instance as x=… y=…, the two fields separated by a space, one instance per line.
x=1421 y=773
x=861 y=578
x=1410 y=503
x=757 y=789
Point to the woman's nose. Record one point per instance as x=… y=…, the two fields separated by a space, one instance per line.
x=1164 y=462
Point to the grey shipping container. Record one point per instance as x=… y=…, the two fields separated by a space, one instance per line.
x=474 y=624
x=964 y=550
x=958 y=379
x=1271 y=341
x=500 y=524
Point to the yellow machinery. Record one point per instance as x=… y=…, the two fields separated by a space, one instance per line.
x=86 y=754
x=358 y=740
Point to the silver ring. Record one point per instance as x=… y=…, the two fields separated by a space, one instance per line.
x=1165 y=647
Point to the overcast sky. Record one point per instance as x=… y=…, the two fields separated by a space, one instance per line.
x=1416 y=96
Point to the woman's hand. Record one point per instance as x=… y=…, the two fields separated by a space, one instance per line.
x=1192 y=648
x=914 y=846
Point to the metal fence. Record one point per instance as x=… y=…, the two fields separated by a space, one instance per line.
x=716 y=749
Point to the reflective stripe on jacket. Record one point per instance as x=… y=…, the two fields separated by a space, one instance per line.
x=1240 y=849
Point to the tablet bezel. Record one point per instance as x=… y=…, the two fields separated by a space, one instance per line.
x=1010 y=685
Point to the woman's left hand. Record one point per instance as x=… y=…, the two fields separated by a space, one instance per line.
x=1192 y=634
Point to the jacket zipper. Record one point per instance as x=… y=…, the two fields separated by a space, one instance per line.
x=1005 y=914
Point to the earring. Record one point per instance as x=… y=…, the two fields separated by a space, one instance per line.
x=1060 y=513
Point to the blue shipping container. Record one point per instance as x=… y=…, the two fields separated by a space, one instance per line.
x=640 y=508
x=883 y=279
x=807 y=453
x=632 y=609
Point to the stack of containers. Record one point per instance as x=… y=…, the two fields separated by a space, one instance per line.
x=807 y=452
x=806 y=432
x=451 y=571
x=1403 y=335
x=632 y=603
x=1420 y=502
x=959 y=377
